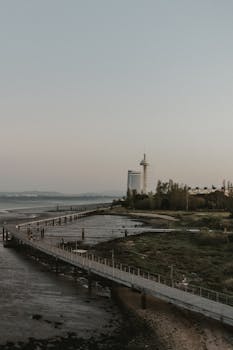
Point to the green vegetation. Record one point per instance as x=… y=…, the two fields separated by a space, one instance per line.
x=204 y=258
x=201 y=219
x=173 y=196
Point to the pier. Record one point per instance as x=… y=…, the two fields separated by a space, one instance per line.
x=216 y=305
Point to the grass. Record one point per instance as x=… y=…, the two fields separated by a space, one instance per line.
x=205 y=258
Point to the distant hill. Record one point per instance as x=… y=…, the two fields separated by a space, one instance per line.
x=45 y=194
x=30 y=194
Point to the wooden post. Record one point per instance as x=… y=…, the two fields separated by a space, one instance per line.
x=143 y=300
x=89 y=281
x=57 y=266
x=83 y=234
x=75 y=273
x=42 y=233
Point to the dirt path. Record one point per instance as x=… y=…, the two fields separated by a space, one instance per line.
x=154 y=216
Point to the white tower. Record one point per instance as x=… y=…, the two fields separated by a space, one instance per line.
x=144 y=164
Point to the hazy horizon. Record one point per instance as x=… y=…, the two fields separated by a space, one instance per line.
x=88 y=87
x=29 y=193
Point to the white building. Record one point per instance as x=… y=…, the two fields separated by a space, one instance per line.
x=134 y=181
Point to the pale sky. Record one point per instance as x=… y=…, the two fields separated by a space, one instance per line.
x=87 y=86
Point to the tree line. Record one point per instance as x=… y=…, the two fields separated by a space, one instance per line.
x=173 y=196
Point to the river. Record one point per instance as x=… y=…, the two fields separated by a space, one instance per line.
x=40 y=310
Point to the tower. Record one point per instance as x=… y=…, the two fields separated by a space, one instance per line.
x=144 y=164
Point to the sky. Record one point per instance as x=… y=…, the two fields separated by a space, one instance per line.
x=86 y=87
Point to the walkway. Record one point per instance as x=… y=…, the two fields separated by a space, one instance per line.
x=216 y=305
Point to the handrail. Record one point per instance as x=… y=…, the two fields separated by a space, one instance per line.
x=87 y=258
x=70 y=215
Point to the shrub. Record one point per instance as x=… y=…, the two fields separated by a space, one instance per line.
x=206 y=237
x=228 y=283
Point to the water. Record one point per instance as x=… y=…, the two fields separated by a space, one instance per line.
x=97 y=229
x=33 y=202
x=62 y=305
x=35 y=303
x=12 y=209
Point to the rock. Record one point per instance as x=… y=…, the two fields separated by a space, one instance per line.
x=36 y=317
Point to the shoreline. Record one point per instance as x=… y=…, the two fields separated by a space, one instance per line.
x=123 y=338
x=161 y=326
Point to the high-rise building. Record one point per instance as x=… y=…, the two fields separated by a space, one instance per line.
x=134 y=181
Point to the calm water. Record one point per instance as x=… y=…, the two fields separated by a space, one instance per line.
x=63 y=306
x=97 y=229
x=32 y=203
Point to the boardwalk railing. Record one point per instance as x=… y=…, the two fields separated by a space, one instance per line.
x=58 y=219
x=208 y=302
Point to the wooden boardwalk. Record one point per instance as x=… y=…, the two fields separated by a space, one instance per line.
x=216 y=305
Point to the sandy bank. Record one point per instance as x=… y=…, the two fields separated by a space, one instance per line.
x=178 y=329
x=153 y=216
